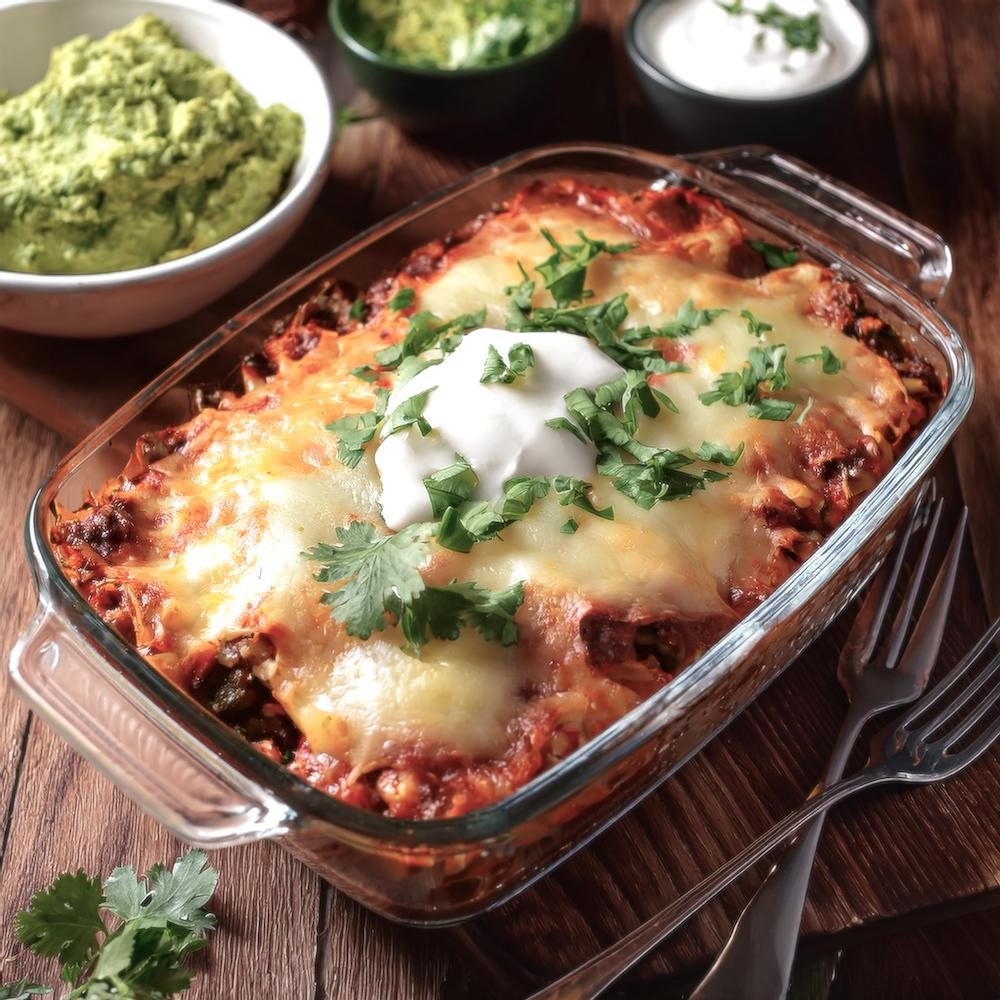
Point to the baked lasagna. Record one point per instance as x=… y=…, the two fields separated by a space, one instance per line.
x=449 y=528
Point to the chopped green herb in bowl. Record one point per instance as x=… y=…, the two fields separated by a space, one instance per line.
x=439 y=63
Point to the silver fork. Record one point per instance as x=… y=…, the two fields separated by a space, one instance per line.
x=756 y=962
x=902 y=752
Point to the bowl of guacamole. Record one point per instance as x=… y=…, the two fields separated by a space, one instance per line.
x=436 y=64
x=149 y=162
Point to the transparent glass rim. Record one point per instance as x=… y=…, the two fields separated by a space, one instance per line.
x=598 y=755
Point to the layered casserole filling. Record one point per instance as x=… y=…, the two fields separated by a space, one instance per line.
x=449 y=529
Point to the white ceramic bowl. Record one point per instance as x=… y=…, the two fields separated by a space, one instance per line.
x=268 y=63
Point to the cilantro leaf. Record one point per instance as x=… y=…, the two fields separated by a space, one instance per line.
x=755 y=327
x=403 y=299
x=633 y=393
x=687 y=320
x=764 y=365
x=445 y=611
x=366 y=373
x=565 y=272
x=357 y=310
x=569 y=527
x=461 y=527
x=520 y=358
x=373 y=573
x=712 y=451
x=355 y=430
x=830 y=362
x=800 y=32
x=775 y=257
x=520 y=493
x=23 y=989
x=520 y=296
x=411 y=366
x=425 y=331
x=63 y=922
x=451 y=486
x=409 y=413
x=576 y=492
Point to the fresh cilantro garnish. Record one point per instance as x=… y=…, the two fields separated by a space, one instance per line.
x=366 y=373
x=402 y=299
x=497 y=371
x=775 y=257
x=378 y=575
x=461 y=527
x=569 y=527
x=375 y=573
x=831 y=363
x=633 y=393
x=425 y=331
x=756 y=327
x=520 y=493
x=764 y=365
x=357 y=309
x=687 y=320
x=357 y=429
x=800 y=32
x=712 y=451
x=162 y=922
x=451 y=486
x=576 y=492
x=409 y=413
x=644 y=474
x=565 y=272
x=23 y=989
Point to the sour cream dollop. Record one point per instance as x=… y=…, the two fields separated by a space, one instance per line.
x=703 y=46
x=498 y=428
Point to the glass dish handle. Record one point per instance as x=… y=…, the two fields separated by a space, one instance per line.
x=69 y=685
x=908 y=251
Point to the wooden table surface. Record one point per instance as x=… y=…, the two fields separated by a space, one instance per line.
x=906 y=897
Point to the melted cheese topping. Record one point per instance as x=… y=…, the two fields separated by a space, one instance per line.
x=259 y=482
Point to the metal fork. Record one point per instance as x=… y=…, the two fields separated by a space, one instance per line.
x=968 y=721
x=756 y=962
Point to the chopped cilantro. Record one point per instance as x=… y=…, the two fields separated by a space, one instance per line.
x=451 y=486
x=366 y=373
x=576 y=492
x=775 y=257
x=764 y=365
x=800 y=32
x=569 y=527
x=712 y=451
x=357 y=429
x=755 y=327
x=409 y=413
x=425 y=331
x=357 y=309
x=519 y=493
x=687 y=320
x=402 y=299
x=831 y=363
x=497 y=371
x=565 y=272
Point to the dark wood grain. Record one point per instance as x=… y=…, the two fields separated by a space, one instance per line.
x=921 y=138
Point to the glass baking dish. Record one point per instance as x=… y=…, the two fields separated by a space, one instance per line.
x=208 y=786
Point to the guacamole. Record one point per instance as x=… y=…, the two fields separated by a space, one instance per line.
x=134 y=150
x=460 y=34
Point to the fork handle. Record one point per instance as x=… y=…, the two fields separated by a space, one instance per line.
x=756 y=962
x=591 y=978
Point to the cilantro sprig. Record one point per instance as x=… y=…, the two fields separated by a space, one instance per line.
x=765 y=367
x=130 y=938
x=377 y=575
x=687 y=321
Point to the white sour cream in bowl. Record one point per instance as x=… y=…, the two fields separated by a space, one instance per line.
x=756 y=49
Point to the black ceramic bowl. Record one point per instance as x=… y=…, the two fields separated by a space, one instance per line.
x=697 y=120
x=428 y=99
